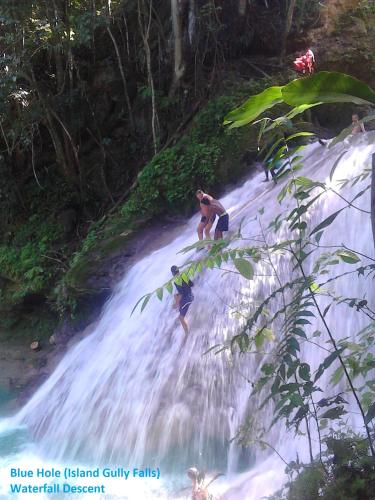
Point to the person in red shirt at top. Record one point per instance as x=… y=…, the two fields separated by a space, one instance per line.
x=305 y=64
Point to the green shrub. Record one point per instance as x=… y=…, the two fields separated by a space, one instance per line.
x=26 y=261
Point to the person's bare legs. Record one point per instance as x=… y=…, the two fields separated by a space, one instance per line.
x=200 y=229
x=184 y=324
x=218 y=235
x=207 y=230
x=177 y=298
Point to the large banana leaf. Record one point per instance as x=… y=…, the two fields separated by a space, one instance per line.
x=253 y=107
x=327 y=87
x=302 y=93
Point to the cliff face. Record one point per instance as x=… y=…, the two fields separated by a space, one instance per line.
x=332 y=10
x=346 y=42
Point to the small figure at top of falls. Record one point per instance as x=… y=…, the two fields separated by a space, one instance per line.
x=358 y=126
x=183 y=298
x=210 y=208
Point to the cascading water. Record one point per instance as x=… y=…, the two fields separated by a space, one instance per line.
x=133 y=394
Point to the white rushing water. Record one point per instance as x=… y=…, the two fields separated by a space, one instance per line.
x=132 y=394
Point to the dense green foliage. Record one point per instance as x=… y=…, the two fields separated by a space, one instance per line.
x=168 y=182
x=27 y=262
x=89 y=92
x=349 y=473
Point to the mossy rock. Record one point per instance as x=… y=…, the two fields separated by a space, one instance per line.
x=353 y=53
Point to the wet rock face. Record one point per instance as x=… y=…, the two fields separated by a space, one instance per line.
x=21 y=369
x=333 y=10
x=346 y=42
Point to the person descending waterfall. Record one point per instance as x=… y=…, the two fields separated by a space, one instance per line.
x=183 y=298
x=358 y=126
x=199 y=492
x=212 y=208
x=273 y=169
x=207 y=220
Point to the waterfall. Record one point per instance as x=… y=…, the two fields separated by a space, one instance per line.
x=133 y=393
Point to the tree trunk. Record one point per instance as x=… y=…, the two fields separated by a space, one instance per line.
x=373 y=198
x=242 y=7
x=179 y=63
x=288 y=25
x=56 y=25
x=67 y=170
x=145 y=25
x=191 y=22
x=124 y=82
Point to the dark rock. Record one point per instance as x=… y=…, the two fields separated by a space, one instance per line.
x=248 y=158
x=35 y=346
x=64 y=331
x=68 y=219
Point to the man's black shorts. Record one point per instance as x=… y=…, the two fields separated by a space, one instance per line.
x=222 y=223
x=185 y=303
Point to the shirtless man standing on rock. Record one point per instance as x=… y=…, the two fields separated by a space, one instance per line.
x=211 y=208
x=207 y=219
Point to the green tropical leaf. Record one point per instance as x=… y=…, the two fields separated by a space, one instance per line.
x=299 y=332
x=304 y=371
x=326 y=87
x=145 y=302
x=326 y=222
x=137 y=304
x=159 y=293
x=302 y=322
x=244 y=267
x=370 y=414
x=292 y=345
x=348 y=256
x=305 y=313
x=327 y=363
x=278 y=122
x=273 y=147
x=293 y=386
x=210 y=263
x=337 y=375
x=268 y=368
x=334 y=413
x=299 y=134
x=253 y=107
x=318 y=236
x=259 y=340
x=185 y=277
x=218 y=261
x=307 y=183
x=335 y=164
x=300 y=109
